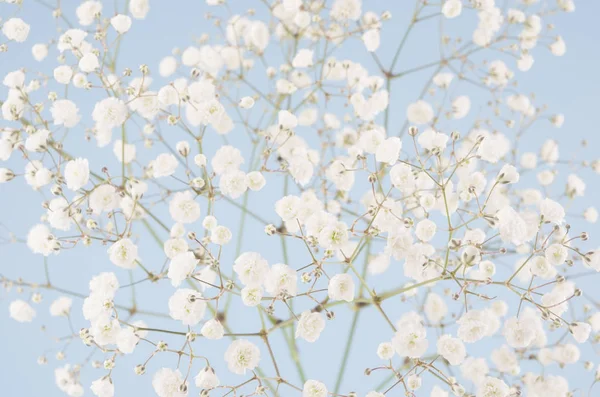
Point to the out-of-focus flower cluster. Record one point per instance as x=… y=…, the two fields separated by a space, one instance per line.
x=487 y=256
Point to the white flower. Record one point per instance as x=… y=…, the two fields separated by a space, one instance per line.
x=233 y=183
x=552 y=211
x=432 y=140
x=212 y=329
x=281 y=279
x=167 y=382
x=508 y=174
x=474 y=369
x=438 y=392
x=559 y=47
x=37 y=175
x=341 y=287
x=242 y=355
x=61 y=306
x=174 y=247
x=125 y=152
x=255 y=180
x=181 y=267
x=334 y=236
x=16 y=29
x=247 y=102
x=414 y=382
x=452 y=349
x=87 y=11
x=186 y=305
x=556 y=254
x=41 y=241
x=591 y=214
x=452 y=8
x=104 y=198
x=343 y=10
x=104 y=285
x=139 y=9
x=419 y=112
x=310 y=326
x=110 y=112
x=411 y=341
x=461 y=106
x=575 y=186
x=492 y=387
x=425 y=230
x=251 y=296
x=121 y=23
x=103 y=387
x=388 y=151
x=435 y=308
x=580 y=331
x=21 y=311
x=183 y=208
x=39 y=52
x=63 y=74
x=207 y=379
x=314 y=388
x=67 y=381
x=303 y=58
x=123 y=253
x=540 y=267
x=164 y=165
x=127 y=340
x=220 y=235
x=519 y=333
x=105 y=330
x=443 y=80
x=251 y=269
x=288 y=207
x=372 y=39
x=88 y=63
x=385 y=351
x=227 y=158
x=493 y=147
x=65 y=112
x=77 y=173
x=511 y=226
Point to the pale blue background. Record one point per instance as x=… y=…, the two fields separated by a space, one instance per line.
x=569 y=84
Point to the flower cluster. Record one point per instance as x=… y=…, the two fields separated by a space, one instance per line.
x=471 y=227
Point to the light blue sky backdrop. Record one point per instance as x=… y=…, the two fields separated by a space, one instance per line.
x=569 y=85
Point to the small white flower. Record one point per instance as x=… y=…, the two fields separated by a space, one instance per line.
x=181 y=267
x=183 y=208
x=281 y=279
x=187 y=306
x=212 y=329
x=220 y=235
x=341 y=287
x=61 y=306
x=310 y=326
x=167 y=382
x=247 y=102
x=207 y=379
x=242 y=355
x=314 y=388
x=452 y=349
x=121 y=23
x=103 y=387
x=385 y=351
x=124 y=253
x=16 y=29
x=303 y=58
x=21 y=311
